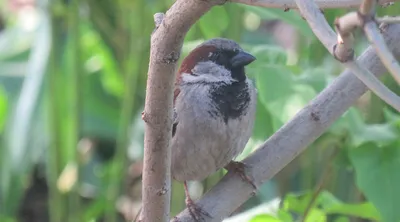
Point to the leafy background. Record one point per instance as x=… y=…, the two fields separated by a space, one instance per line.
x=72 y=87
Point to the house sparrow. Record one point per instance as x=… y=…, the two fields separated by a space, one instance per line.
x=214 y=112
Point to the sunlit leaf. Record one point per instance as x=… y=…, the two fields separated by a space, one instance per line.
x=327 y=199
x=296 y=203
x=284 y=215
x=3 y=108
x=363 y=210
x=316 y=215
x=265 y=218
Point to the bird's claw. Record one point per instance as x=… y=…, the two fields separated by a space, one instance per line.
x=195 y=211
x=239 y=167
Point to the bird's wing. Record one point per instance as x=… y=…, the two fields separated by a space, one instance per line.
x=175 y=114
x=174 y=122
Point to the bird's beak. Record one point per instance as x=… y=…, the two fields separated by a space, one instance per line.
x=242 y=59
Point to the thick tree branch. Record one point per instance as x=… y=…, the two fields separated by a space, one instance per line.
x=293 y=138
x=166 y=44
x=290 y=4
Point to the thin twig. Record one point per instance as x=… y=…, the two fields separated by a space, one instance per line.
x=373 y=83
x=346 y=24
x=388 y=19
x=322 y=30
x=290 y=4
x=372 y=32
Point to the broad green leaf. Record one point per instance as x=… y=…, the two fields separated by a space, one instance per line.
x=361 y=132
x=316 y=77
x=265 y=218
x=214 y=23
x=263 y=127
x=291 y=17
x=267 y=54
x=280 y=94
x=363 y=210
x=377 y=176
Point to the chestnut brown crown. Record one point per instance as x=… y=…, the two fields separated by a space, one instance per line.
x=220 y=52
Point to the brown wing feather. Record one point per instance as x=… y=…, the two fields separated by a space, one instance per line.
x=197 y=55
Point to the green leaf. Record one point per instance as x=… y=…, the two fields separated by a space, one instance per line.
x=284 y=215
x=364 y=210
x=263 y=127
x=342 y=219
x=3 y=108
x=316 y=77
x=99 y=58
x=265 y=218
x=316 y=215
x=267 y=54
x=280 y=94
x=214 y=23
x=291 y=17
x=327 y=199
x=361 y=132
x=377 y=175
x=297 y=203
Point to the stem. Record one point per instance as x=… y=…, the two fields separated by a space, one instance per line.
x=326 y=176
x=118 y=167
x=56 y=200
x=74 y=80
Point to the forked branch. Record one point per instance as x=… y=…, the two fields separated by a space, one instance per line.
x=341 y=49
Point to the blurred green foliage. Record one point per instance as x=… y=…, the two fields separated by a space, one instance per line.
x=73 y=77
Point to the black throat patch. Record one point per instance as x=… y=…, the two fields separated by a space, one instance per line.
x=231 y=99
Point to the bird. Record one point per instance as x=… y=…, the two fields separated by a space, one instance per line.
x=214 y=110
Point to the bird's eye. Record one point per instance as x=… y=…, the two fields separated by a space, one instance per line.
x=222 y=59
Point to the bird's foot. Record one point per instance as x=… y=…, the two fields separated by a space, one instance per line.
x=239 y=167
x=195 y=211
